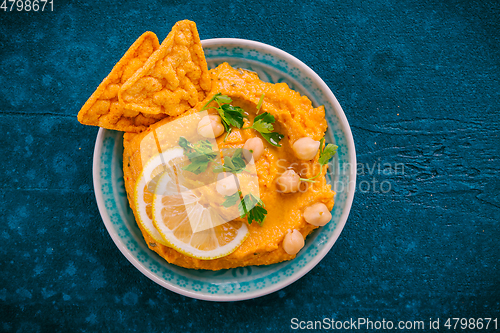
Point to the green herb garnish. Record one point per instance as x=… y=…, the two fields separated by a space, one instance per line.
x=325 y=155
x=233 y=164
x=231 y=200
x=263 y=124
x=233 y=116
x=230 y=115
x=259 y=105
x=200 y=154
x=256 y=213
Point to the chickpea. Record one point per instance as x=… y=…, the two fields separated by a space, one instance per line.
x=210 y=126
x=288 y=182
x=253 y=147
x=305 y=148
x=293 y=242
x=226 y=184
x=317 y=214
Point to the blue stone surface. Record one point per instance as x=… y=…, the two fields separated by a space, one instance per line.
x=419 y=83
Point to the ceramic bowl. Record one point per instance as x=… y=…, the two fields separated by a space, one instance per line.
x=272 y=65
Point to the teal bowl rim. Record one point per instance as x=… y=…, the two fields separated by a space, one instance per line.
x=351 y=157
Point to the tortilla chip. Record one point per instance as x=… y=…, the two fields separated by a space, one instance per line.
x=103 y=109
x=173 y=79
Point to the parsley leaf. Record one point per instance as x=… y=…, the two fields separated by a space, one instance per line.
x=200 y=154
x=230 y=115
x=242 y=208
x=234 y=164
x=184 y=143
x=223 y=98
x=256 y=213
x=325 y=155
x=273 y=138
x=263 y=124
x=219 y=98
x=231 y=200
x=233 y=116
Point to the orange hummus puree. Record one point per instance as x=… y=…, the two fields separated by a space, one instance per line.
x=295 y=118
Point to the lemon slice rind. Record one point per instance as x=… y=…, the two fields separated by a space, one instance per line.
x=196 y=209
x=144 y=178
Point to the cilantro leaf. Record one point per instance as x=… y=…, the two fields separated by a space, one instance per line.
x=200 y=154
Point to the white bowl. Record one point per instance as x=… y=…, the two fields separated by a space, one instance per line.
x=272 y=65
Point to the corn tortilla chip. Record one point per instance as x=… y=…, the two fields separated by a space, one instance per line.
x=103 y=109
x=173 y=79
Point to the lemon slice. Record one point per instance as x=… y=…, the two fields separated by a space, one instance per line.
x=146 y=185
x=190 y=227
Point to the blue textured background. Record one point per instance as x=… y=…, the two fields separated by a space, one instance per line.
x=419 y=83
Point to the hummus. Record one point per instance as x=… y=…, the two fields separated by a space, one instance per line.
x=295 y=119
